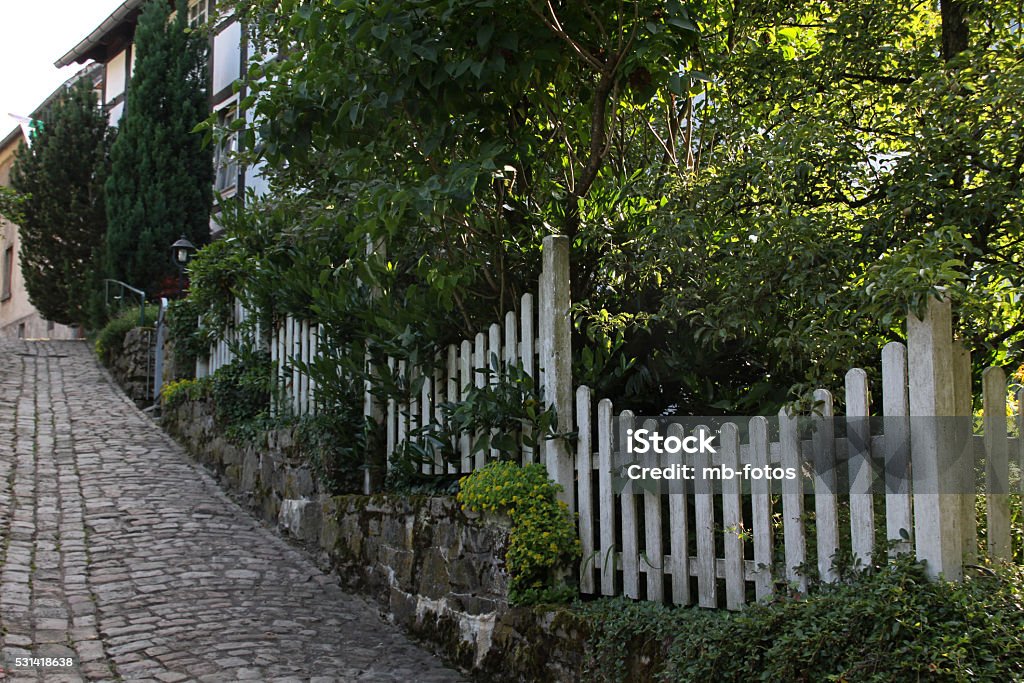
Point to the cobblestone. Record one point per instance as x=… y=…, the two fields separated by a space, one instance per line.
x=119 y=552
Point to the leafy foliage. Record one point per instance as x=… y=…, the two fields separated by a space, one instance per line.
x=543 y=546
x=334 y=447
x=240 y=393
x=175 y=393
x=160 y=184
x=59 y=206
x=891 y=625
x=110 y=339
x=755 y=193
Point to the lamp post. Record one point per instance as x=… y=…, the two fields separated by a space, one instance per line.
x=181 y=253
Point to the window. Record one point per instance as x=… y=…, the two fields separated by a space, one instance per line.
x=8 y=273
x=225 y=162
x=199 y=12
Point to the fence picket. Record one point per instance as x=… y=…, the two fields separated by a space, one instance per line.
x=794 y=542
x=511 y=340
x=732 y=519
x=826 y=508
x=492 y=362
x=858 y=435
x=391 y=422
x=584 y=477
x=679 y=536
x=627 y=501
x=896 y=426
x=479 y=381
x=963 y=403
x=704 y=514
x=653 y=557
x=761 y=507
x=606 y=495
x=452 y=394
x=997 y=469
x=465 y=382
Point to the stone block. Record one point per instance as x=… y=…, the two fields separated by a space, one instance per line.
x=300 y=517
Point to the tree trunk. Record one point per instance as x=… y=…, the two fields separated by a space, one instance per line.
x=955 y=32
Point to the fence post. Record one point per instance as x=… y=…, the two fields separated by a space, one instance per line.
x=373 y=411
x=556 y=358
x=937 y=523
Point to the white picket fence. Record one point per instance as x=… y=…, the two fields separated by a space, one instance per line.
x=717 y=544
x=713 y=543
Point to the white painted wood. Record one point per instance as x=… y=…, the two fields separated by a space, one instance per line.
x=479 y=381
x=761 y=507
x=678 y=531
x=858 y=435
x=556 y=357
x=896 y=426
x=426 y=405
x=412 y=398
x=606 y=496
x=936 y=514
x=465 y=382
x=732 y=519
x=453 y=394
x=652 y=560
x=963 y=402
x=294 y=345
x=303 y=373
x=275 y=363
x=627 y=501
x=527 y=348
x=440 y=386
x=314 y=354
x=794 y=541
x=997 y=468
x=402 y=432
x=493 y=364
x=511 y=340
x=391 y=422
x=584 y=488
x=826 y=508
x=704 y=516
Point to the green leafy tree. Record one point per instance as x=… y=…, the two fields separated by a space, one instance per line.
x=60 y=206
x=160 y=185
x=756 y=190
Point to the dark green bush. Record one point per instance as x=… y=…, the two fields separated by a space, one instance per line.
x=240 y=392
x=889 y=625
x=334 y=446
x=110 y=339
x=190 y=341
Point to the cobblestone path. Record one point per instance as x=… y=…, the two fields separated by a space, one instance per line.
x=118 y=553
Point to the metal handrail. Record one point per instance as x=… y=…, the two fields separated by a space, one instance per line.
x=142 y=296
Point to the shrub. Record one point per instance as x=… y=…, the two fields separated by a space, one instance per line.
x=542 y=543
x=178 y=392
x=334 y=446
x=240 y=392
x=110 y=340
x=892 y=624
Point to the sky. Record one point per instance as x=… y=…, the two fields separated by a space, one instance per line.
x=33 y=35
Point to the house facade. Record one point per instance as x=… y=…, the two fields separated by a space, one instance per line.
x=111 y=45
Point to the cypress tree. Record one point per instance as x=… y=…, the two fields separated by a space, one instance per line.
x=161 y=180
x=59 y=180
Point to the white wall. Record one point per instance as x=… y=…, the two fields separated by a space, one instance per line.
x=115 y=114
x=227 y=54
x=117 y=71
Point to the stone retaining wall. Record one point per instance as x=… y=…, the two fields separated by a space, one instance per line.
x=436 y=571
x=132 y=367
